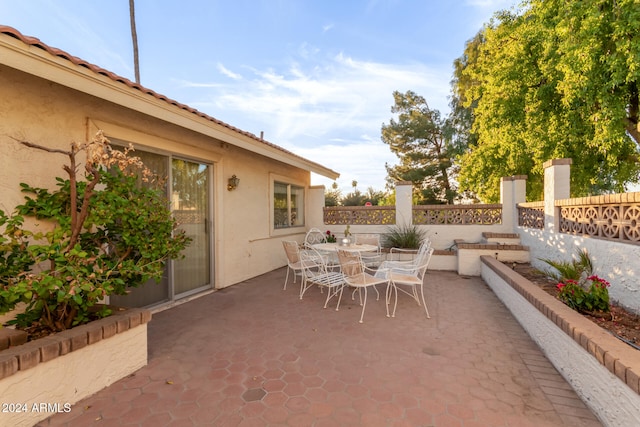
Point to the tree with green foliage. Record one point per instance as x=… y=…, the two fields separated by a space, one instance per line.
x=355 y=198
x=332 y=196
x=373 y=196
x=98 y=236
x=460 y=121
x=555 y=79
x=418 y=138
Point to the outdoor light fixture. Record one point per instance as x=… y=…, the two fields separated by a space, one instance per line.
x=233 y=183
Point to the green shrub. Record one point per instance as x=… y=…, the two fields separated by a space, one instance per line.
x=577 y=286
x=107 y=232
x=404 y=236
x=592 y=297
x=576 y=269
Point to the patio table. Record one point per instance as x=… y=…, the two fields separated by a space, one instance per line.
x=328 y=247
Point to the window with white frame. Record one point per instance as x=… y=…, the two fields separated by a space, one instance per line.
x=288 y=205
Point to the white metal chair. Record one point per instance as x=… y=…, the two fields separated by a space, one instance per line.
x=315 y=272
x=357 y=275
x=370 y=259
x=404 y=257
x=292 y=250
x=313 y=237
x=407 y=278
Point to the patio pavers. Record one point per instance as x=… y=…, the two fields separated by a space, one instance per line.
x=255 y=355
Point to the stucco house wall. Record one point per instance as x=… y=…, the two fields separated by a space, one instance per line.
x=50 y=100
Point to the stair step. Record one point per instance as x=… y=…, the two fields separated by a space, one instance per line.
x=469 y=254
x=504 y=238
x=488 y=235
x=461 y=244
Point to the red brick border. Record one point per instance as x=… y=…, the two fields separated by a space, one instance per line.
x=17 y=355
x=619 y=358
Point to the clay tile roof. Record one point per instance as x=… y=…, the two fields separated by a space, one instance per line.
x=33 y=41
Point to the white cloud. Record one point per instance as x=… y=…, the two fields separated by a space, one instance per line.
x=330 y=112
x=343 y=94
x=362 y=161
x=223 y=70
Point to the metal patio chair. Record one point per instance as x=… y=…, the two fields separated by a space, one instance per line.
x=316 y=273
x=359 y=276
x=370 y=259
x=292 y=250
x=409 y=279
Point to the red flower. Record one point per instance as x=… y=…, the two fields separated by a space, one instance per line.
x=602 y=283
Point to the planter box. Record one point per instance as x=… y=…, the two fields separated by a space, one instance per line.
x=604 y=371
x=48 y=375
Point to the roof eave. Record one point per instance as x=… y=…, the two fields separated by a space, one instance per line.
x=38 y=59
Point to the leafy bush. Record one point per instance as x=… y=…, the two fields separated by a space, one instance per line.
x=105 y=233
x=593 y=298
x=576 y=269
x=404 y=236
x=578 y=287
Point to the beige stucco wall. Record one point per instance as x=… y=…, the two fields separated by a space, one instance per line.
x=103 y=363
x=53 y=115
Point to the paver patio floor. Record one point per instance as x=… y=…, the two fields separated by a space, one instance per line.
x=255 y=355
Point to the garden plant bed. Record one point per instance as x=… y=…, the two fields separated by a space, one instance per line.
x=619 y=322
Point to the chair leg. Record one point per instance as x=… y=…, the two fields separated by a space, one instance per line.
x=364 y=305
x=330 y=294
x=415 y=293
x=395 y=304
x=303 y=286
x=287 y=279
x=358 y=290
x=339 y=298
x=387 y=297
x=423 y=302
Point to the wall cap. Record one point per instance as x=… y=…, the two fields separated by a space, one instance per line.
x=557 y=162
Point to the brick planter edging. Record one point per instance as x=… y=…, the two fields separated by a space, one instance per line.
x=619 y=358
x=600 y=368
x=28 y=355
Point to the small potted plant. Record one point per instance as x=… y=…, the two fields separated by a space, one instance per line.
x=346 y=241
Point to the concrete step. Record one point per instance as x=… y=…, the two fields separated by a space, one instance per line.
x=469 y=255
x=503 y=238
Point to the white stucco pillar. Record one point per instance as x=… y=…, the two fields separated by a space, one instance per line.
x=314 y=207
x=404 y=203
x=557 y=185
x=513 y=190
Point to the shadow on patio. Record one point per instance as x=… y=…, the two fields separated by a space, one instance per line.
x=255 y=355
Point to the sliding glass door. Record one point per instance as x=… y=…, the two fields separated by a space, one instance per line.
x=189 y=191
x=190 y=203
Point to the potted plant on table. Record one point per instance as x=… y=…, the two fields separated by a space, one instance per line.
x=346 y=241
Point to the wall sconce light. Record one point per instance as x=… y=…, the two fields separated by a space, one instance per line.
x=233 y=183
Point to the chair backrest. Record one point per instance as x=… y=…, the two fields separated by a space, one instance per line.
x=314 y=236
x=350 y=263
x=292 y=251
x=312 y=263
x=419 y=269
x=424 y=253
x=426 y=260
x=368 y=239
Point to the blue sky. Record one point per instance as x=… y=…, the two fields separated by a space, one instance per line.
x=315 y=76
